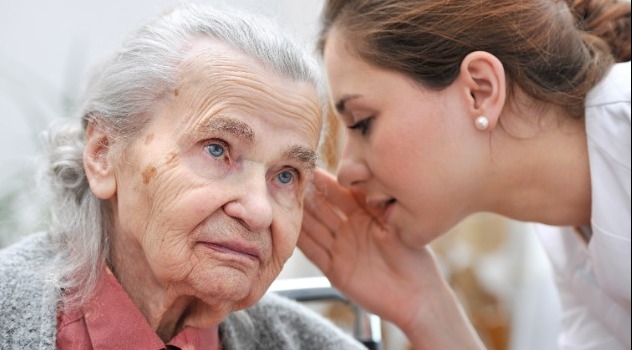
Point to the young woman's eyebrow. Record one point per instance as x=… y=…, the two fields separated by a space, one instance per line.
x=340 y=105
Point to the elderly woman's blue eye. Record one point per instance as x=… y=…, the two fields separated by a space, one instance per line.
x=216 y=150
x=285 y=177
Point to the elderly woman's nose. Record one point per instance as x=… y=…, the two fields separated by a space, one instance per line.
x=352 y=169
x=253 y=204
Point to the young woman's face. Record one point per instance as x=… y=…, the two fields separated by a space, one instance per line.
x=413 y=150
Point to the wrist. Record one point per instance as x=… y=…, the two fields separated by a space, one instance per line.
x=441 y=323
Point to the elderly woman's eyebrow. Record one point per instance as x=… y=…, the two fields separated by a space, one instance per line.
x=237 y=128
x=303 y=155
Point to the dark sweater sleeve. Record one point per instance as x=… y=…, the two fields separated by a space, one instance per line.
x=276 y=322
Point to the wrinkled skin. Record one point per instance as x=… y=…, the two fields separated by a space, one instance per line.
x=208 y=199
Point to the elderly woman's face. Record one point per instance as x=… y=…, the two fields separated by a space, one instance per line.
x=211 y=194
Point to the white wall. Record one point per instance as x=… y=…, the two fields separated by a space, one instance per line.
x=47 y=47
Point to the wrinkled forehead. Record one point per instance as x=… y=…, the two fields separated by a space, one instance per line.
x=216 y=73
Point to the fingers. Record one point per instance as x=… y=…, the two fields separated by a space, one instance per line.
x=319 y=233
x=328 y=188
x=314 y=252
x=315 y=241
x=322 y=211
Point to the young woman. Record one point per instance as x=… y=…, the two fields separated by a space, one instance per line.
x=458 y=107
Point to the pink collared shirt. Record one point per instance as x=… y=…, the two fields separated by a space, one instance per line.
x=111 y=321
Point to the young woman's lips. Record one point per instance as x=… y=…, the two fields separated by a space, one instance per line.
x=384 y=206
x=389 y=206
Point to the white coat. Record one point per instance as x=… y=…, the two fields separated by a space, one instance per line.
x=593 y=278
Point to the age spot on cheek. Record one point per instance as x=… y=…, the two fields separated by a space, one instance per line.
x=172 y=159
x=148 y=174
x=149 y=138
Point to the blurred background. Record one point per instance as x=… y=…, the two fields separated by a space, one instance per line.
x=47 y=49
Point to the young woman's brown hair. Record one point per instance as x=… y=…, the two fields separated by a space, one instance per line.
x=553 y=52
x=457 y=107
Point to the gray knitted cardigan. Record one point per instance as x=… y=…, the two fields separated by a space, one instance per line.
x=28 y=311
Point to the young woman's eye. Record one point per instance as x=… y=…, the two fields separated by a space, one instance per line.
x=216 y=150
x=286 y=177
x=363 y=126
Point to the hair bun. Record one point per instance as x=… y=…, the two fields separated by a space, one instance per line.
x=608 y=20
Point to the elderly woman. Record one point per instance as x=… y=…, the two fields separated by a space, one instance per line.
x=177 y=200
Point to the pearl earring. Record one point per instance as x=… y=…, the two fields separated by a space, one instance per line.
x=481 y=123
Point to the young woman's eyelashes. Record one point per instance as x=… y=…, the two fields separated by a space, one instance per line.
x=364 y=125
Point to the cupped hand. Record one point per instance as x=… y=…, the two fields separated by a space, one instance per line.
x=364 y=259
x=369 y=263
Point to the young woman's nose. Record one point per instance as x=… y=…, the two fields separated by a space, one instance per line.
x=352 y=170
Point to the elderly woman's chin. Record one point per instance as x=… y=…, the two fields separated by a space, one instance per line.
x=233 y=286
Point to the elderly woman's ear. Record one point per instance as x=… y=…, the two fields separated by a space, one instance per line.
x=98 y=161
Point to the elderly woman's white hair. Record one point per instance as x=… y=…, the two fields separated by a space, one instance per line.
x=123 y=93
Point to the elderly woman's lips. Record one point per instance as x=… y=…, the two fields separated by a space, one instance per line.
x=234 y=248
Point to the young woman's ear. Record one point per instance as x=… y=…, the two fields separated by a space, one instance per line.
x=97 y=161
x=483 y=79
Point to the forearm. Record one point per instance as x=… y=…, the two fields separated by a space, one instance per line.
x=441 y=323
